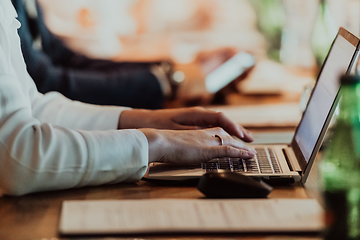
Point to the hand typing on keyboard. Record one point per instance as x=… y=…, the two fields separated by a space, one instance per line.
x=263 y=162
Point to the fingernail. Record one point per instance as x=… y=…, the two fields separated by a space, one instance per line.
x=242 y=134
x=250 y=154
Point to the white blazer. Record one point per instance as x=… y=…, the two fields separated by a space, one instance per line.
x=49 y=142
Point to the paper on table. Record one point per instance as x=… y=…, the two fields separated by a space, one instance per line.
x=179 y=216
x=269 y=77
x=264 y=115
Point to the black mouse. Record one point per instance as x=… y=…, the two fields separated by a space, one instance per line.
x=232 y=185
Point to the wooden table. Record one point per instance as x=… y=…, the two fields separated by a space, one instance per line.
x=36 y=216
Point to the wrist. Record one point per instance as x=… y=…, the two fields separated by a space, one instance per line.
x=167 y=78
x=155 y=142
x=133 y=118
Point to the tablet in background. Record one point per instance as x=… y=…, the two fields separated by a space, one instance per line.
x=229 y=71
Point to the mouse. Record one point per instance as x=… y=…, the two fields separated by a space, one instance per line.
x=226 y=184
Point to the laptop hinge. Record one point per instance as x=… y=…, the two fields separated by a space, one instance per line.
x=291 y=159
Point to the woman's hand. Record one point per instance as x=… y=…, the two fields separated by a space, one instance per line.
x=182 y=119
x=193 y=146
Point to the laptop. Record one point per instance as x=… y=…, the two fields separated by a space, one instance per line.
x=283 y=162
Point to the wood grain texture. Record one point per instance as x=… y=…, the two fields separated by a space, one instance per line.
x=36 y=216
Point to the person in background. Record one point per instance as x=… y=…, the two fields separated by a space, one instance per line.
x=154 y=29
x=49 y=142
x=54 y=67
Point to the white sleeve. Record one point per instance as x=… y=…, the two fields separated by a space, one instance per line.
x=36 y=154
x=56 y=109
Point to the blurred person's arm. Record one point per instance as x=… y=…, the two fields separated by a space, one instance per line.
x=80 y=78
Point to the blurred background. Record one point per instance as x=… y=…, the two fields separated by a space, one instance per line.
x=288 y=38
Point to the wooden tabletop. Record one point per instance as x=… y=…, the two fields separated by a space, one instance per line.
x=36 y=216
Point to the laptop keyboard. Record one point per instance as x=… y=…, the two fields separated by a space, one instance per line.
x=264 y=162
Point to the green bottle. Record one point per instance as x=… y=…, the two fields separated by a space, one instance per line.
x=340 y=166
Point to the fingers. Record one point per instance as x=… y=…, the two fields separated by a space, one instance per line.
x=234 y=128
x=229 y=151
x=227 y=146
x=248 y=137
x=227 y=140
x=220 y=131
x=207 y=118
x=202 y=118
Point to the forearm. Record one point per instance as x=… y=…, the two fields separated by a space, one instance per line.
x=135 y=118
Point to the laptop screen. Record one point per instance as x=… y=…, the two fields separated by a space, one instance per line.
x=319 y=106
